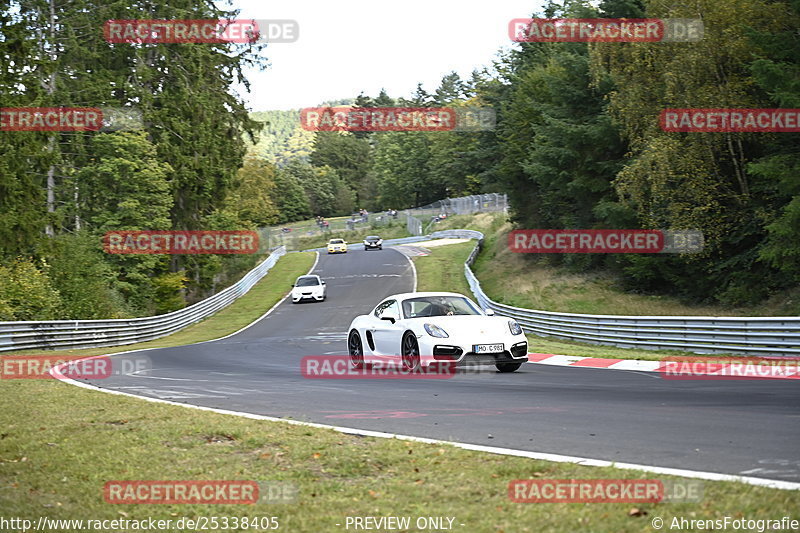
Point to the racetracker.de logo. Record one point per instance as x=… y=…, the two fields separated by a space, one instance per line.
x=341 y=367
x=181 y=242
x=605 y=30
x=67 y=366
x=181 y=492
x=51 y=119
x=604 y=241
x=604 y=491
x=728 y=368
x=730 y=120
x=345 y=118
x=246 y=31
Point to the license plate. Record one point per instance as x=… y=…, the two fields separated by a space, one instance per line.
x=487 y=348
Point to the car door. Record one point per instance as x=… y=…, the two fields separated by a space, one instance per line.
x=387 y=335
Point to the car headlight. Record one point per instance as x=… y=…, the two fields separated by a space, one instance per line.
x=515 y=328
x=380 y=241
x=435 y=331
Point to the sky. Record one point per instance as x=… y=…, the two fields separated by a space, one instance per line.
x=349 y=46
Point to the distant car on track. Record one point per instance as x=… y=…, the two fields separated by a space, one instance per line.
x=373 y=242
x=419 y=328
x=336 y=246
x=309 y=287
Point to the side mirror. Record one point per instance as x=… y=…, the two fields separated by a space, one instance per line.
x=389 y=318
x=292 y=284
x=489 y=312
x=322 y=282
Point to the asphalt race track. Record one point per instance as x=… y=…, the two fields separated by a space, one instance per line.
x=749 y=428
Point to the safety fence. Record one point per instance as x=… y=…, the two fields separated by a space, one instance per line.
x=420 y=219
x=764 y=336
x=63 y=334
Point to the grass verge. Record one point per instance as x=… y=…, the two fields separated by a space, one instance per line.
x=530 y=281
x=60 y=444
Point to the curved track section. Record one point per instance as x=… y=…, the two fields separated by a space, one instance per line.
x=748 y=428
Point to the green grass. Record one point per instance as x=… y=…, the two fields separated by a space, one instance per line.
x=443 y=269
x=60 y=444
x=527 y=280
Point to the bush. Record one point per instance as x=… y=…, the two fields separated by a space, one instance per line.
x=85 y=279
x=27 y=293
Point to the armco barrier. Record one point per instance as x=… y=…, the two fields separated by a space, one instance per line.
x=90 y=333
x=765 y=336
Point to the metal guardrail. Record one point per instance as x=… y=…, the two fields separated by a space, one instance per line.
x=291 y=235
x=465 y=205
x=770 y=336
x=764 y=336
x=114 y=332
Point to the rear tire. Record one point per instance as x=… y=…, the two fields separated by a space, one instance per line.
x=508 y=367
x=356 y=350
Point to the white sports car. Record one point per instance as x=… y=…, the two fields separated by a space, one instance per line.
x=418 y=328
x=309 y=287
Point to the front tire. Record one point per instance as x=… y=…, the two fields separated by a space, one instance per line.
x=410 y=351
x=356 y=350
x=508 y=367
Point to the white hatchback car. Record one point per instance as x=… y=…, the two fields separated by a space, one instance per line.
x=309 y=287
x=419 y=328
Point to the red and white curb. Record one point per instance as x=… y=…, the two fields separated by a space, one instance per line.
x=593 y=362
x=719 y=370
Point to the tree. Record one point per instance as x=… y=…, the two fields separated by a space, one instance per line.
x=290 y=198
x=251 y=196
x=348 y=155
x=450 y=89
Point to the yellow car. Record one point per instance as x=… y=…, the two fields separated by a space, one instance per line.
x=336 y=246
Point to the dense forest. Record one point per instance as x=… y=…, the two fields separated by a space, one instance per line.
x=282 y=140
x=577 y=145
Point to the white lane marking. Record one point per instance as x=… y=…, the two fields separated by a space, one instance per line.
x=767 y=471
x=585 y=461
x=413 y=271
x=560 y=360
x=633 y=364
x=137 y=373
x=175 y=395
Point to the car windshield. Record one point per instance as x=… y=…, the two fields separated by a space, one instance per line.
x=373 y=238
x=336 y=241
x=307 y=282
x=438 y=306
